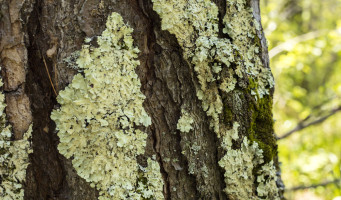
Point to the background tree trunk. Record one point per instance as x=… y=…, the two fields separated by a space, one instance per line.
x=34 y=30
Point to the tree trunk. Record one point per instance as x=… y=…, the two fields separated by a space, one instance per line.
x=208 y=90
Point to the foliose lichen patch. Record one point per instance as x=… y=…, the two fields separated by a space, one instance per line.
x=241 y=26
x=267 y=181
x=195 y=25
x=185 y=122
x=239 y=165
x=99 y=113
x=13 y=157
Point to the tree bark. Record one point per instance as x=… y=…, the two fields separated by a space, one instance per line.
x=32 y=31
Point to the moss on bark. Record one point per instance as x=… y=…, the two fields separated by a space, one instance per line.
x=261 y=127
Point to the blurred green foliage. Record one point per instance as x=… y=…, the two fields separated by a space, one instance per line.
x=304 y=39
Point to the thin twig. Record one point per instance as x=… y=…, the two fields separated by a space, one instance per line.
x=301 y=125
x=287 y=45
x=49 y=76
x=302 y=187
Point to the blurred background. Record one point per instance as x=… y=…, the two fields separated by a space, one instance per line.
x=304 y=38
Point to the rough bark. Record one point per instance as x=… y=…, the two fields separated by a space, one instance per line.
x=34 y=30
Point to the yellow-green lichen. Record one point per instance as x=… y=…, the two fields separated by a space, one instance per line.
x=267 y=181
x=242 y=26
x=151 y=187
x=229 y=83
x=229 y=135
x=13 y=158
x=98 y=117
x=195 y=25
x=238 y=165
x=185 y=122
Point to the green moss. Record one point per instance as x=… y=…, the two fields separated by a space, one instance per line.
x=228 y=115
x=261 y=127
x=252 y=88
x=252 y=84
x=261 y=131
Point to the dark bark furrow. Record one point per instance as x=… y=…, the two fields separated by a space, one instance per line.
x=209 y=185
x=50 y=175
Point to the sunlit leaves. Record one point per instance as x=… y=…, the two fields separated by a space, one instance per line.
x=307 y=73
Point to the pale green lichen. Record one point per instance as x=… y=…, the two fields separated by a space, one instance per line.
x=13 y=158
x=229 y=83
x=205 y=171
x=242 y=26
x=98 y=117
x=239 y=166
x=195 y=148
x=229 y=135
x=152 y=187
x=185 y=122
x=191 y=168
x=192 y=159
x=195 y=25
x=70 y=61
x=267 y=181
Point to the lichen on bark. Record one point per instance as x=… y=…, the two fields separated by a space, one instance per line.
x=221 y=65
x=99 y=117
x=13 y=157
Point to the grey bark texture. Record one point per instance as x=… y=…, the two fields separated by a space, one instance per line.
x=34 y=30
